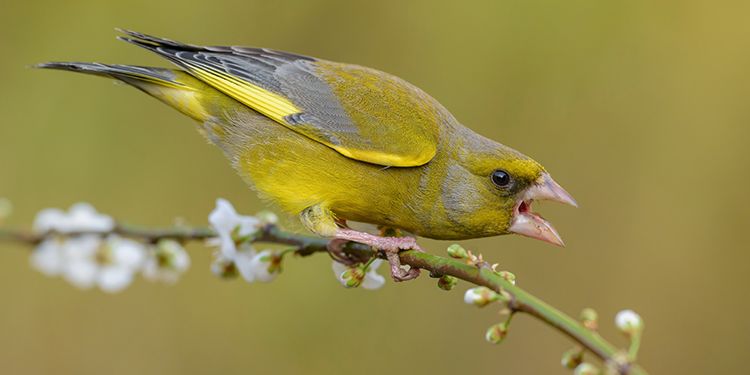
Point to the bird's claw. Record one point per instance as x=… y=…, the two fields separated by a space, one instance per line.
x=390 y=246
x=397 y=273
x=392 y=254
x=336 y=251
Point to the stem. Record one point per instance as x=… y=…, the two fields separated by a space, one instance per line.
x=521 y=301
x=635 y=345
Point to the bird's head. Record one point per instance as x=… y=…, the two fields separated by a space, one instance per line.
x=506 y=184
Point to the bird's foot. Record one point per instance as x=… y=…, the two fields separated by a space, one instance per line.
x=336 y=251
x=391 y=246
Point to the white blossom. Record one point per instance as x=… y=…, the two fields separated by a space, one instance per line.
x=229 y=226
x=81 y=217
x=265 y=266
x=251 y=265
x=238 y=263
x=352 y=277
x=88 y=261
x=108 y=265
x=166 y=262
x=237 y=255
x=223 y=267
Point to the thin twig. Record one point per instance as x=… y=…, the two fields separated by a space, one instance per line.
x=520 y=300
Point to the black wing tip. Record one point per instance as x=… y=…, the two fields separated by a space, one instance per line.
x=64 y=65
x=150 y=41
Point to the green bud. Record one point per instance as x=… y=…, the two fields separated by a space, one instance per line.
x=589 y=318
x=496 y=333
x=447 y=282
x=586 y=369
x=572 y=358
x=6 y=208
x=352 y=277
x=508 y=276
x=457 y=251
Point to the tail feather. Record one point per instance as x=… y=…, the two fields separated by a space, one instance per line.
x=158 y=76
x=173 y=87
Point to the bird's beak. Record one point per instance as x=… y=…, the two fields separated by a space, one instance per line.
x=530 y=224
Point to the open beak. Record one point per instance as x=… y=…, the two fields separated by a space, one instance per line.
x=530 y=224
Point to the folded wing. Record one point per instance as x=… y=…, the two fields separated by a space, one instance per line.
x=362 y=113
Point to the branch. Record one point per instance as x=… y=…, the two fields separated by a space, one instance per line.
x=520 y=301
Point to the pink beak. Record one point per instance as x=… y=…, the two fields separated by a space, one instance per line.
x=530 y=224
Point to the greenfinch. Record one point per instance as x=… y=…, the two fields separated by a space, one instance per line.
x=333 y=142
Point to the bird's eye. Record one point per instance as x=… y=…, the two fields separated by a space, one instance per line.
x=500 y=178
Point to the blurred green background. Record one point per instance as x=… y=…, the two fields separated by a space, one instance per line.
x=639 y=108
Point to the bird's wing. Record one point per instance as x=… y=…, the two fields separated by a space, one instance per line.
x=362 y=113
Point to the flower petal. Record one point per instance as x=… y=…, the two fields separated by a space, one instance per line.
x=223 y=217
x=84 y=217
x=81 y=273
x=81 y=247
x=127 y=253
x=260 y=267
x=225 y=220
x=49 y=219
x=113 y=279
x=338 y=271
x=48 y=257
x=373 y=280
x=243 y=260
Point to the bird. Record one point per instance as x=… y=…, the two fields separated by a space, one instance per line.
x=335 y=143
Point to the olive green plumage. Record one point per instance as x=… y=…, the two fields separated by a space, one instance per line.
x=336 y=141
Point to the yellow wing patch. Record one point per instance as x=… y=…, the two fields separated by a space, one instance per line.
x=385 y=158
x=268 y=103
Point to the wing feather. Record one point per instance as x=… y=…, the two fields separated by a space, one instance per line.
x=362 y=113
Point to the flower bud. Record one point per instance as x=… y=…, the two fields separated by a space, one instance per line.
x=572 y=358
x=496 y=333
x=629 y=322
x=480 y=296
x=352 y=277
x=447 y=282
x=6 y=208
x=224 y=268
x=589 y=318
x=267 y=217
x=508 y=276
x=457 y=251
x=586 y=369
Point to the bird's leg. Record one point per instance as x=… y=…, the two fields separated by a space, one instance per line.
x=336 y=247
x=391 y=246
x=321 y=220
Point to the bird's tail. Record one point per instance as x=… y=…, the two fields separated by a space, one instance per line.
x=173 y=87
